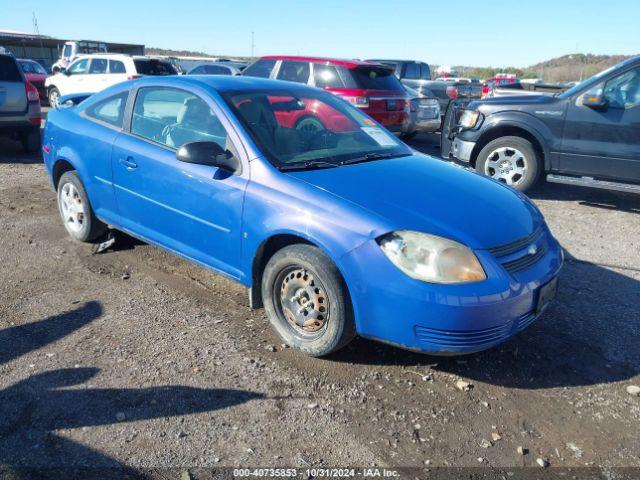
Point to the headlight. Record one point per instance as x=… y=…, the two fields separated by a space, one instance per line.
x=469 y=118
x=430 y=258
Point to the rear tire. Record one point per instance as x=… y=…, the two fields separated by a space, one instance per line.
x=511 y=160
x=30 y=140
x=307 y=301
x=54 y=96
x=75 y=209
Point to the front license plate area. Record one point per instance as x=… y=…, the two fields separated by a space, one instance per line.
x=546 y=295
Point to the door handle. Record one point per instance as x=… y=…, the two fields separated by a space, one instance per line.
x=128 y=163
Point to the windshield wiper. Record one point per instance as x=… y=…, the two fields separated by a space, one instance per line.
x=370 y=157
x=311 y=164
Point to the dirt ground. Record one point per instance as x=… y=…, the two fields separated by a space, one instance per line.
x=134 y=359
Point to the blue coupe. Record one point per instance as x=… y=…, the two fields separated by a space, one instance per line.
x=336 y=227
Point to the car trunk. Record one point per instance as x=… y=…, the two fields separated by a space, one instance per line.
x=13 y=95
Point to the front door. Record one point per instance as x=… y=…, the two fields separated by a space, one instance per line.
x=76 y=78
x=605 y=142
x=194 y=210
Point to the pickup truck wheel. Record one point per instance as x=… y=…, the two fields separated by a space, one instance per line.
x=30 y=140
x=511 y=160
x=306 y=300
x=75 y=210
x=54 y=96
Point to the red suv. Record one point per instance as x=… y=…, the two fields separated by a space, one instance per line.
x=370 y=86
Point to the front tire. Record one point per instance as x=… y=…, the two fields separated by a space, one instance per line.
x=511 y=160
x=307 y=301
x=75 y=209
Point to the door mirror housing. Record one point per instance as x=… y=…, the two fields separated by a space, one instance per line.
x=65 y=71
x=209 y=153
x=595 y=99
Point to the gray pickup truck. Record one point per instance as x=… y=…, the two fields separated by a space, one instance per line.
x=417 y=75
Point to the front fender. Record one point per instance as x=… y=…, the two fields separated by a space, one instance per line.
x=523 y=121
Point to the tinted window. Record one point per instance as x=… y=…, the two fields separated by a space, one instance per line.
x=67 y=51
x=152 y=66
x=216 y=70
x=262 y=68
x=9 y=70
x=79 y=66
x=98 y=65
x=412 y=71
x=623 y=91
x=174 y=117
x=110 y=110
x=327 y=76
x=375 y=78
x=425 y=73
x=293 y=71
x=116 y=66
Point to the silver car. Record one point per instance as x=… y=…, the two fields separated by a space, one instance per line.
x=424 y=114
x=217 y=68
x=20 y=113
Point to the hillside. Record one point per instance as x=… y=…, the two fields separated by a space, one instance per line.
x=561 y=69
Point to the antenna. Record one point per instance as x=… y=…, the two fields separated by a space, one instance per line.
x=36 y=30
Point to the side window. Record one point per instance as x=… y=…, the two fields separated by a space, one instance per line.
x=198 y=70
x=425 y=73
x=79 y=67
x=110 y=110
x=174 y=117
x=116 y=66
x=623 y=91
x=98 y=65
x=294 y=71
x=412 y=71
x=262 y=68
x=217 y=70
x=67 y=51
x=327 y=76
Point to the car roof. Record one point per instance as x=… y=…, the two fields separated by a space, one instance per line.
x=332 y=61
x=223 y=83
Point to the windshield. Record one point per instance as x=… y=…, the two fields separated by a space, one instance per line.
x=589 y=82
x=295 y=127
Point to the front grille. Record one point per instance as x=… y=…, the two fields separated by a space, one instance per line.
x=527 y=260
x=512 y=247
x=460 y=339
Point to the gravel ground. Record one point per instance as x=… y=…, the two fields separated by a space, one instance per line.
x=136 y=359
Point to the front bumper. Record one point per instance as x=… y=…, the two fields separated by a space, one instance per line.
x=391 y=307
x=462 y=150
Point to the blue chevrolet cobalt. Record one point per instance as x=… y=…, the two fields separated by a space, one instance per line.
x=336 y=227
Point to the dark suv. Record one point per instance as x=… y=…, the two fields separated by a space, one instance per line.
x=20 y=113
x=588 y=135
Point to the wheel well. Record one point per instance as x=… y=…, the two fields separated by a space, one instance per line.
x=506 y=131
x=59 y=169
x=268 y=248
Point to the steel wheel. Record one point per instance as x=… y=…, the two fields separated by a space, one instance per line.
x=310 y=126
x=54 y=96
x=302 y=300
x=73 y=209
x=508 y=165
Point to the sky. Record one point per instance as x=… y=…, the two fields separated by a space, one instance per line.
x=455 y=32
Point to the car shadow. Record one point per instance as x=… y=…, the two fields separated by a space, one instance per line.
x=34 y=409
x=11 y=152
x=592 y=197
x=589 y=335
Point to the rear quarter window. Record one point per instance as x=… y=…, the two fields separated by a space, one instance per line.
x=375 y=78
x=9 y=70
x=329 y=76
x=109 y=110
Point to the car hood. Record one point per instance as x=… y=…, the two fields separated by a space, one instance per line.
x=515 y=100
x=430 y=195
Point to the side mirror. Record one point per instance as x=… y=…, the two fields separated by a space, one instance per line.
x=209 y=153
x=595 y=99
x=65 y=71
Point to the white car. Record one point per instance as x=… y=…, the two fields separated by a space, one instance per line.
x=92 y=73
